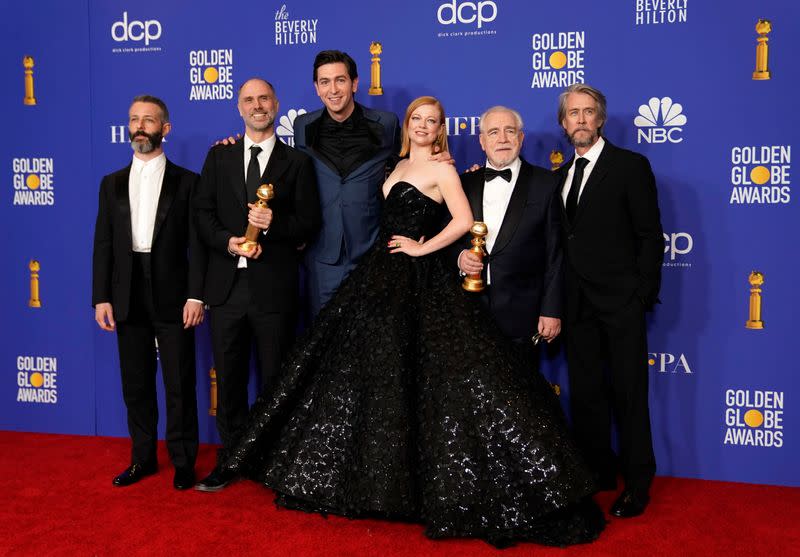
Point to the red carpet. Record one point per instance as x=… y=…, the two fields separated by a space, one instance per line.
x=59 y=501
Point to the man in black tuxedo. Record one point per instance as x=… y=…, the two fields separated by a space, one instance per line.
x=253 y=293
x=147 y=280
x=614 y=248
x=519 y=204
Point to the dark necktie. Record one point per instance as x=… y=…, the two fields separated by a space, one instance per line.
x=491 y=174
x=577 y=179
x=253 y=173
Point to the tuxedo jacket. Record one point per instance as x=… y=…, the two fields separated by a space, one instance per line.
x=177 y=257
x=350 y=205
x=526 y=259
x=221 y=212
x=614 y=248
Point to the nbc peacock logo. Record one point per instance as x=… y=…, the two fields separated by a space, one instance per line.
x=660 y=121
x=285 y=128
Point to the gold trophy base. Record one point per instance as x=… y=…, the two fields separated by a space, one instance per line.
x=376 y=90
x=754 y=324
x=28 y=101
x=761 y=75
x=248 y=245
x=472 y=284
x=34 y=304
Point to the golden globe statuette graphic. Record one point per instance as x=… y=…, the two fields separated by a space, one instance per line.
x=375 y=69
x=474 y=283
x=556 y=159
x=212 y=397
x=763 y=27
x=27 y=63
x=756 y=279
x=265 y=192
x=34 y=267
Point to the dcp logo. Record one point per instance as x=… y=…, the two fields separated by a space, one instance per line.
x=677 y=243
x=660 y=121
x=123 y=31
x=467 y=12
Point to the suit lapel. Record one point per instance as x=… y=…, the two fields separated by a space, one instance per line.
x=235 y=160
x=475 y=185
x=595 y=178
x=563 y=172
x=277 y=164
x=516 y=206
x=124 y=201
x=168 y=187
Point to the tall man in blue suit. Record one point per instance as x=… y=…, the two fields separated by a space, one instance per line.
x=350 y=145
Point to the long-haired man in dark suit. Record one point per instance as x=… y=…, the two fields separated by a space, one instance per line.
x=147 y=281
x=613 y=247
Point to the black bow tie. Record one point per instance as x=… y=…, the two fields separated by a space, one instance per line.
x=491 y=174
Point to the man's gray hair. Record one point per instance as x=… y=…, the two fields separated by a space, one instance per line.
x=499 y=108
x=599 y=98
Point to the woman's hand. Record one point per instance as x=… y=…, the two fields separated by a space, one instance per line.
x=409 y=246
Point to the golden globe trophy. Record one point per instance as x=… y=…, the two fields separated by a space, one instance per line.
x=474 y=282
x=375 y=69
x=763 y=27
x=265 y=192
x=556 y=159
x=27 y=63
x=212 y=397
x=34 y=301
x=756 y=279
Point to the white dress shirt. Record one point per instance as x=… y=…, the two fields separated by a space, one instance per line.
x=591 y=155
x=496 y=196
x=144 y=189
x=263 y=159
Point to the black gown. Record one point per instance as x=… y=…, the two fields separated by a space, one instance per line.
x=403 y=401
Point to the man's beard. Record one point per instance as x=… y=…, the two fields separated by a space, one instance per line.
x=588 y=142
x=153 y=142
x=263 y=126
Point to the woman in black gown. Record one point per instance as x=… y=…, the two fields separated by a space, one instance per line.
x=403 y=401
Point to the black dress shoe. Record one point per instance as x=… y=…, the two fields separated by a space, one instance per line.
x=184 y=478
x=215 y=481
x=629 y=504
x=134 y=473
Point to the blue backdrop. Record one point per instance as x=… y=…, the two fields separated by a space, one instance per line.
x=679 y=80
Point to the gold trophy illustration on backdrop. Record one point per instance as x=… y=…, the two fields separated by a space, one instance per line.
x=763 y=27
x=375 y=69
x=474 y=282
x=212 y=398
x=756 y=279
x=265 y=192
x=34 y=300
x=27 y=63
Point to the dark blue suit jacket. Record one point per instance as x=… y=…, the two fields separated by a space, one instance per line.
x=350 y=205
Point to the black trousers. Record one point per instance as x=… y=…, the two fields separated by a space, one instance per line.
x=608 y=372
x=235 y=324
x=137 y=336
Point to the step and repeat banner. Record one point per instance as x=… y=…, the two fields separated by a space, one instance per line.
x=705 y=90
